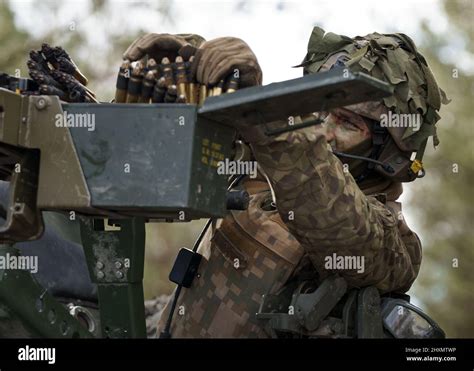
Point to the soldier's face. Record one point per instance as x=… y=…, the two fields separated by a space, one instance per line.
x=344 y=129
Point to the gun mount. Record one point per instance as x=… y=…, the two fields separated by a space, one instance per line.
x=156 y=161
x=130 y=163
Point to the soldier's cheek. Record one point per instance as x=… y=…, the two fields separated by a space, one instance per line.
x=347 y=139
x=344 y=140
x=326 y=131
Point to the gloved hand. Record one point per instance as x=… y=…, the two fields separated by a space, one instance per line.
x=159 y=46
x=216 y=59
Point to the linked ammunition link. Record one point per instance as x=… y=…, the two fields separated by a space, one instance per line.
x=166 y=82
x=55 y=73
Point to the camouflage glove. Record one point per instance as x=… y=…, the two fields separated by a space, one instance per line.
x=215 y=59
x=159 y=46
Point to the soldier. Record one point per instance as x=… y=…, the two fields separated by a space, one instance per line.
x=323 y=192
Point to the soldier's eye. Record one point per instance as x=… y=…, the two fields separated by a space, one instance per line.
x=350 y=124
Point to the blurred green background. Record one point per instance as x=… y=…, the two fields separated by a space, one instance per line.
x=439 y=207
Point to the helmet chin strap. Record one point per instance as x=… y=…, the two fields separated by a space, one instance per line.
x=385 y=166
x=379 y=136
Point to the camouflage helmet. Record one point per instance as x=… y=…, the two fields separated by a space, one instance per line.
x=395 y=59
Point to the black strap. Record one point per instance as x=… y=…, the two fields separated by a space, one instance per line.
x=379 y=137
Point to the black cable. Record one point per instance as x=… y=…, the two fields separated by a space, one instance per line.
x=312 y=122
x=165 y=334
x=385 y=166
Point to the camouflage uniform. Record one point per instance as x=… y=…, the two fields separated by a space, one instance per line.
x=254 y=252
x=320 y=210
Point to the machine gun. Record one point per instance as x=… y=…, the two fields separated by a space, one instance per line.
x=130 y=164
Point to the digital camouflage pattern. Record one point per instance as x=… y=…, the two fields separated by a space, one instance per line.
x=255 y=252
x=318 y=208
x=245 y=255
x=326 y=211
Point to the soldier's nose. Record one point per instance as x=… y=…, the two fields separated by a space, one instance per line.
x=327 y=131
x=330 y=136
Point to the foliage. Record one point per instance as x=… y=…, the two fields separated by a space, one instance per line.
x=444 y=198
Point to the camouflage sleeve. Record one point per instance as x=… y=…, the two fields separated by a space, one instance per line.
x=327 y=212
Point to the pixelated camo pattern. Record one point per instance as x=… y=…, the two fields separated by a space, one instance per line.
x=326 y=211
x=329 y=214
x=250 y=253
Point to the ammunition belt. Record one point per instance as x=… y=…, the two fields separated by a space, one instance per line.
x=166 y=82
